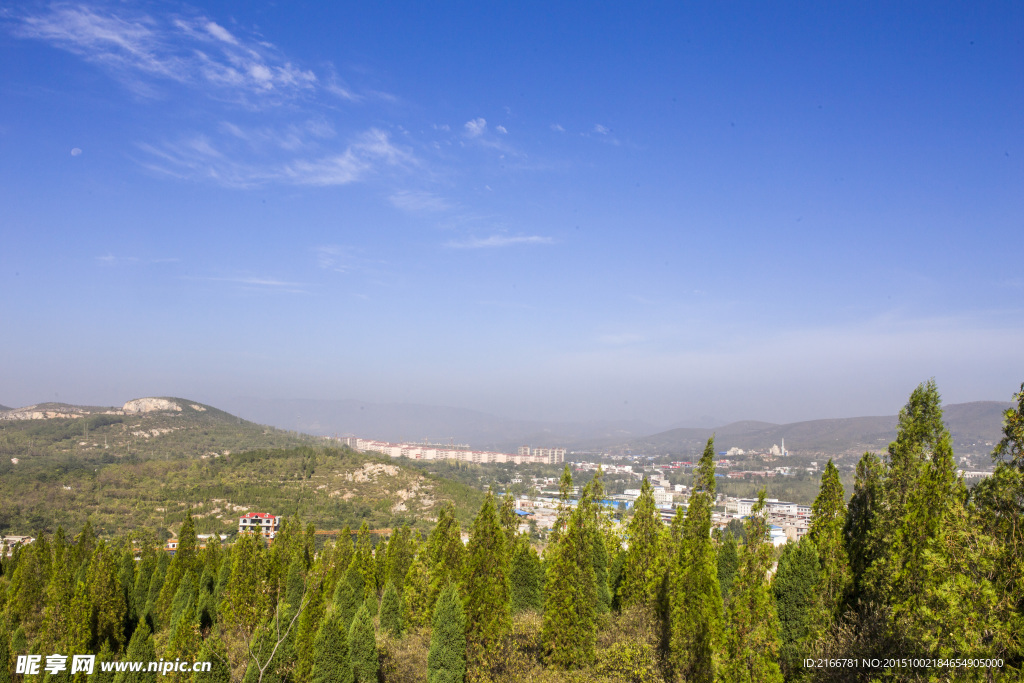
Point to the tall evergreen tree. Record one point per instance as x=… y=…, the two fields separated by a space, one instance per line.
x=244 y=601
x=751 y=635
x=107 y=598
x=446 y=555
x=920 y=433
x=828 y=518
x=184 y=560
x=140 y=649
x=488 y=618
x=645 y=565
x=213 y=651
x=391 y=610
x=348 y=595
x=331 y=661
x=5 y=652
x=399 y=556
x=365 y=563
x=569 y=630
x=363 y=647
x=295 y=585
x=862 y=547
x=446 y=661
x=508 y=518
x=696 y=600
x=798 y=592
x=525 y=578
x=728 y=563
x=999 y=501
x=564 y=507
x=417 y=594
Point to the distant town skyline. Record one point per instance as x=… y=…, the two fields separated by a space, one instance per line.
x=578 y=212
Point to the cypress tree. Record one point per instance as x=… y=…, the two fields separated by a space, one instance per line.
x=399 y=557
x=5 y=652
x=999 y=501
x=920 y=433
x=862 y=547
x=508 y=518
x=446 y=555
x=140 y=649
x=331 y=662
x=380 y=563
x=348 y=595
x=185 y=560
x=340 y=558
x=644 y=566
x=243 y=603
x=569 y=630
x=798 y=592
x=213 y=651
x=143 y=576
x=107 y=598
x=488 y=619
x=525 y=577
x=828 y=518
x=295 y=585
x=367 y=567
x=446 y=661
x=417 y=594
x=751 y=637
x=696 y=600
x=391 y=611
x=728 y=563
x=564 y=508
x=363 y=647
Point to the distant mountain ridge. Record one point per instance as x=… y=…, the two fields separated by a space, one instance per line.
x=416 y=422
x=975 y=427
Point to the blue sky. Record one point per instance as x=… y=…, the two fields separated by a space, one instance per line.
x=565 y=212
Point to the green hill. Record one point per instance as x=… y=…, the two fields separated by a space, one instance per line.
x=142 y=466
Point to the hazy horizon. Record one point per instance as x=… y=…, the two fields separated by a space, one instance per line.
x=542 y=213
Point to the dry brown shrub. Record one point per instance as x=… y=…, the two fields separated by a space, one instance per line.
x=404 y=660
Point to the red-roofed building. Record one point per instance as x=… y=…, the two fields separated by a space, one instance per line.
x=259 y=522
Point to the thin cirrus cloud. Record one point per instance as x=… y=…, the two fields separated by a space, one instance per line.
x=418 y=201
x=199 y=158
x=498 y=241
x=138 y=48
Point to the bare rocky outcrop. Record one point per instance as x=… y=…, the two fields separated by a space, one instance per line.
x=36 y=413
x=149 y=405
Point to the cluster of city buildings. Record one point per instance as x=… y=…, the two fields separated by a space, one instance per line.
x=428 y=451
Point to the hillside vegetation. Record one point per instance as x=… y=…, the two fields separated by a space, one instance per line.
x=126 y=471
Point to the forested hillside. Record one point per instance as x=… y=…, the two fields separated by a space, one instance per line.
x=916 y=579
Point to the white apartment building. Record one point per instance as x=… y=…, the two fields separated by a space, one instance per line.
x=430 y=452
x=744 y=506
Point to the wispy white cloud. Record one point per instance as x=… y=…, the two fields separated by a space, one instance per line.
x=557 y=128
x=143 y=50
x=496 y=241
x=601 y=130
x=475 y=128
x=257 y=283
x=501 y=129
x=332 y=257
x=110 y=259
x=418 y=201
x=76 y=151
x=197 y=158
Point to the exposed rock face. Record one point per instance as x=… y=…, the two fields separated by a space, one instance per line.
x=34 y=413
x=149 y=405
